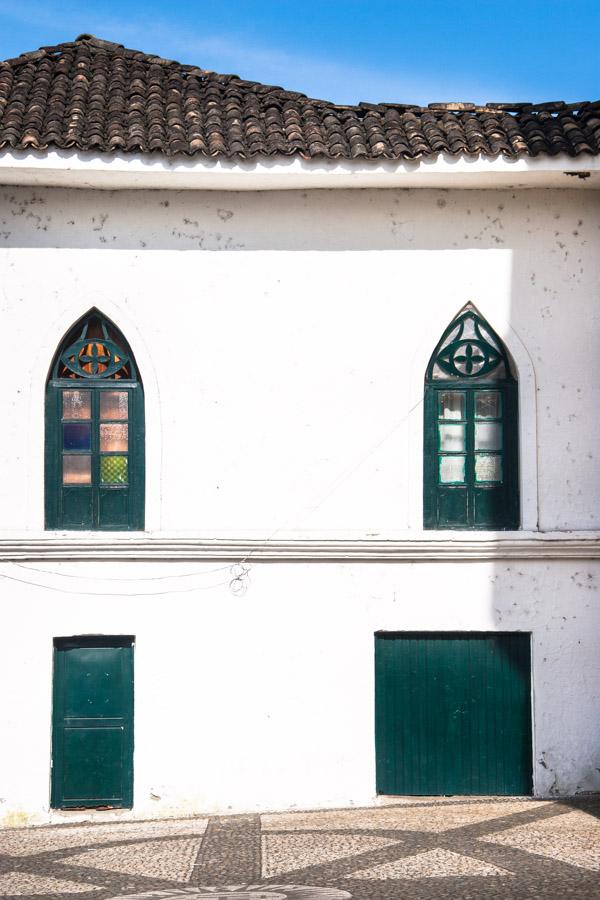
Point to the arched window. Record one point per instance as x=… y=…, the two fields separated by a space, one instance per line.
x=470 y=475
x=94 y=431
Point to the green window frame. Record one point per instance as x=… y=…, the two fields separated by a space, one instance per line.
x=94 y=454
x=471 y=421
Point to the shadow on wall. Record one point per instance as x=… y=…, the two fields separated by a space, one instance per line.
x=554 y=278
x=382 y=244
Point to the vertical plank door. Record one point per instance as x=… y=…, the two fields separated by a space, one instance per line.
x=92 y=722
x=453 y=713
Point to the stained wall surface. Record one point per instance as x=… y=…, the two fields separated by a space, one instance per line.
x=282 y=340
x=265 y=700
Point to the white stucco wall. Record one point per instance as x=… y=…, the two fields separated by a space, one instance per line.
x=280 y=375
x=282 y=339
x=266 y=700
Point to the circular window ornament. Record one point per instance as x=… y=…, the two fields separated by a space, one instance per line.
x=469 y=348
x=94 y=359
x=468 y=358
x=95 y=349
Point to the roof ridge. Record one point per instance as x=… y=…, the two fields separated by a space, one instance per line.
x=453 y=106
x=99 y=42
x=102 y=44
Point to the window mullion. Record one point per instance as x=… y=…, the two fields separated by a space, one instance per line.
x=95 y=456
x=470 y=462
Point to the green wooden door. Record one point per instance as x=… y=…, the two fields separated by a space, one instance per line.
x=453 y=713
x=92 y=727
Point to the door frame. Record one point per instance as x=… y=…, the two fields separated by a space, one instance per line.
x=458 y=632
x=80 y=641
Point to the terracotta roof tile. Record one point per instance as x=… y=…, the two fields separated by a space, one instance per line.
x=91 y=94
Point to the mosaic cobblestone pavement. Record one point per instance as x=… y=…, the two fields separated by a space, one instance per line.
x=410 y=848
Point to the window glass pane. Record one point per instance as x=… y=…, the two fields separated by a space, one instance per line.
x=114 y=438
x=488 y=405
x=113 y=470
x=452 y=405
x=488 y=468
x=452 y=469
x=113 y=404
x=77 y=469
x=77 y=405
x=488 y=436
x=452 y=437
x=77 y=436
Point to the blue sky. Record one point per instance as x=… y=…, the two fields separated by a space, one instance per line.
x=347 y=50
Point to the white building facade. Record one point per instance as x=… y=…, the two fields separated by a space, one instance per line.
x=281 y=338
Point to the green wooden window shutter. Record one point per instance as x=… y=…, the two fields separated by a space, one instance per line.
x=471 y=453
x=95 y=473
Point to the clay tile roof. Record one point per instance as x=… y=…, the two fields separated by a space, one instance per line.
x=91 y=94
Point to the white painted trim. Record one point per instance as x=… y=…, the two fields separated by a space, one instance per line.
x=528 y=475
x=60 y=168
x=74 y=307
x=445 y=546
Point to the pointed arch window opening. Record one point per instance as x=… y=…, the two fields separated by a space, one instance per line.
x=471 y=429
x=94 y=431
x=94 y=349
x=468 y=349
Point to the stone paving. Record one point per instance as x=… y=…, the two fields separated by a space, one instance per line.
x=414 y=848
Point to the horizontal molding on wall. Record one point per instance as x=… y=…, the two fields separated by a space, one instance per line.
x=420 y=548
x=72 y=168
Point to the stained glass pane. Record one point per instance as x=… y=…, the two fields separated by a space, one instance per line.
x=114 y=404
x=452 y=469
x=77 y=436
x=488 y=405
x=114 y=438
x=452 y=438
x=113 y=470
x=77 y=469
x=488 y=468
x=488 y=436
x=77 y=405
x=452 y=405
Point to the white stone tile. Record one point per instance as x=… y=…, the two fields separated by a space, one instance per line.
x=421 y=817
x=171 y=859
x=572 y=838
x=438 y=863
x=287 y=852
x=27 y=841
x=12 y=883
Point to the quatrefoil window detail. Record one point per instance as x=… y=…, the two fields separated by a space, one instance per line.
x=94 y=359
x=97 y=353
x=469 y=349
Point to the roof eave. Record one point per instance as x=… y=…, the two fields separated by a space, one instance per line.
x=58 y=168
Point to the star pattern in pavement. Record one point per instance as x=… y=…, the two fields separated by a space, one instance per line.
x=414 y=848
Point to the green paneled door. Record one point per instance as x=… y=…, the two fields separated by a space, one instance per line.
x=453 y=713
x=92 y=727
